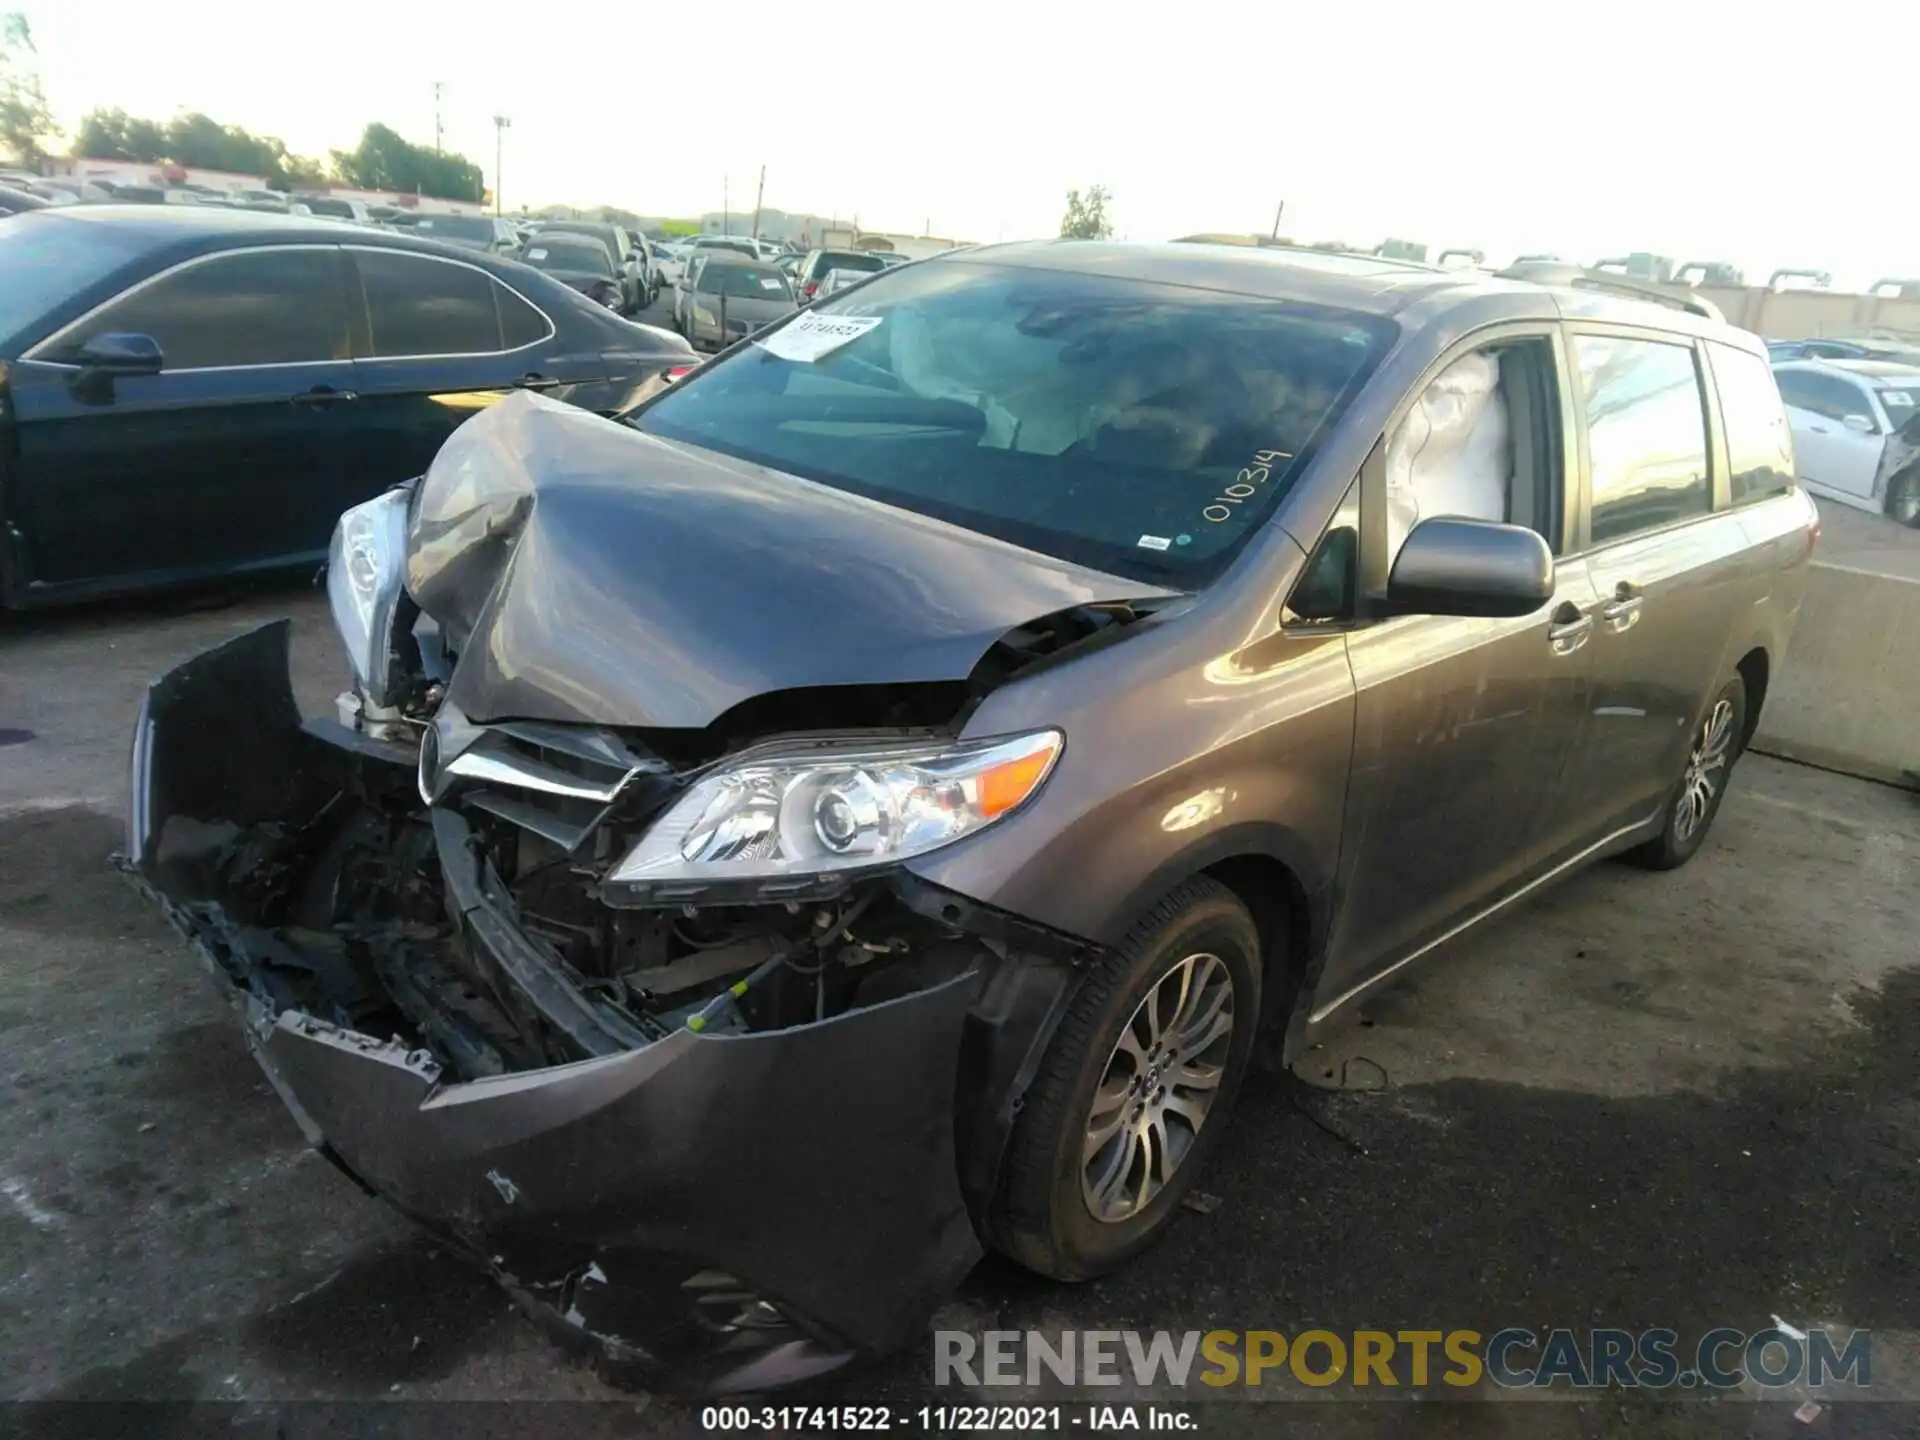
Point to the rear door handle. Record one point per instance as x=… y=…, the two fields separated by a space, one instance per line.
x=323 y=395
x=1621 y=614
x=1569 y=629
x=1819 y=429
x=535 y=381
x=1623 y=611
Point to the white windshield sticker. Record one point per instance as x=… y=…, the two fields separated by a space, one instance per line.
x=1895 y=398
x=1154 y=542
x=536 y=254
x=812 y=336
x=773 y=284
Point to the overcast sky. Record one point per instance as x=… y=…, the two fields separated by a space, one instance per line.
x=1697 y=130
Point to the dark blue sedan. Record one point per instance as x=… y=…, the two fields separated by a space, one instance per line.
x=190 y=392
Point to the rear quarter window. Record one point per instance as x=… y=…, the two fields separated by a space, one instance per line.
x=1759 y=440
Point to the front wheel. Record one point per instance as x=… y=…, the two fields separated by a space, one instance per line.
x=1717 y=744
x=1134 y=1092
x=1903 y=497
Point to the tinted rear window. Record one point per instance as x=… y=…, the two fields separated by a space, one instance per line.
x=846 y=260
x=568 y=252
x=605 y=240
x=421 y=306
x=1759 y=442
x=462 y=227
x=1145 y=429
x=745 y=282
x=45 y=261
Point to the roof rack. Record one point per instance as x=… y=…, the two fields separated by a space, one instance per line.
x=1540 y=272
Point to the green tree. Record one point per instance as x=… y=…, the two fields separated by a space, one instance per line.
x=116 y=135
x=383 y=160
x=24 y=117
x=1086 y=217
x=195 y=140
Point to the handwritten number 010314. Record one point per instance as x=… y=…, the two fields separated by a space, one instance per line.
x=1245 y=486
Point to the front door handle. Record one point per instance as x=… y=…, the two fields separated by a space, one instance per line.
x=1569 y=629
x=323 y=395
x=535 y=381
x=1819 y=429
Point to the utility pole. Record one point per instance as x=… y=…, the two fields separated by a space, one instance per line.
x=1276 y=219
x=758 y=196
x=438 y=87
x=726 y=213
x=500 y=124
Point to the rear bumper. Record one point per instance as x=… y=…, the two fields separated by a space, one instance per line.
x=723 y=1212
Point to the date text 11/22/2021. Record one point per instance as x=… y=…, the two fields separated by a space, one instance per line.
x=928 y=1419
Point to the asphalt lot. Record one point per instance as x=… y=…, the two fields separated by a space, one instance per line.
x=1688 y=1099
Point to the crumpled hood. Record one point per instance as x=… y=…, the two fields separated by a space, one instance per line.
x=589 y=573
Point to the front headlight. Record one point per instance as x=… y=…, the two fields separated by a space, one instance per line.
x=808 y=815
x=365 y=568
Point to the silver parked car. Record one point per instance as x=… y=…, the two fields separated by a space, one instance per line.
x=730 y=297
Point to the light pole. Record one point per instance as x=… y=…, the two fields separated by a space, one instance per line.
x=500 y=124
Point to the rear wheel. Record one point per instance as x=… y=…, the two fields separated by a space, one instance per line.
x=1134 y=1093
x=1703 y=783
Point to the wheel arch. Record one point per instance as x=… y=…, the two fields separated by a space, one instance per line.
x=1268 y=871
x=1755 y=669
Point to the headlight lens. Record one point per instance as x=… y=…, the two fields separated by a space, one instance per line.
x=813 y=814
x=365 y=568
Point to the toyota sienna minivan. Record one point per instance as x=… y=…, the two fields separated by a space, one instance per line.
x=873 y=802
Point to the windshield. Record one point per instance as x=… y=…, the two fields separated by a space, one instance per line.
x=1145 y=429
x=45 y=261
x=745 y=282
x=1903 y=404
x=565 y=252
x=463 y=227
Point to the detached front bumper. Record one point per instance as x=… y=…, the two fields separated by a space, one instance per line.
x=726 y=1212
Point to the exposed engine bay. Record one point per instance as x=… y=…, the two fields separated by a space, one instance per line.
x=582 y=978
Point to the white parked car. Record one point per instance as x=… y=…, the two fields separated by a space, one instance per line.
x=1856 y=431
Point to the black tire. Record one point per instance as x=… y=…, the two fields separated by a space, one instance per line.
x=1678 y=840
x=1903 y=497
x=1042 y=1218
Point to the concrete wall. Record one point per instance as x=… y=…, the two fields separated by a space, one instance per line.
x=1808 y=314
x=1848 y=695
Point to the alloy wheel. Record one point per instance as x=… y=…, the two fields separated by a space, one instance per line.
x=1706 y=770
x=1157 y=1088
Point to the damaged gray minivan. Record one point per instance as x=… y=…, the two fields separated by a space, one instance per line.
x=875 y=802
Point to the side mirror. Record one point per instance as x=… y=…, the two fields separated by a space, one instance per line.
x=1470 y=567
x=1862 y=423
x=121 y=353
